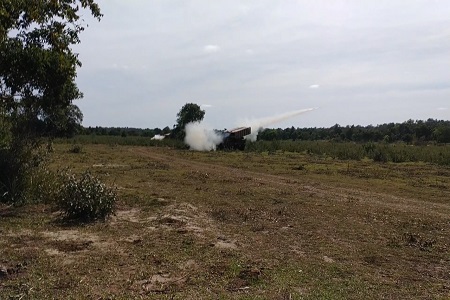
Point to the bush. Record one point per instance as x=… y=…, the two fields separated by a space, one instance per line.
x=19 y=166
x=45 y=187
x=76 y=149
x=380 y=156
x=85 y=198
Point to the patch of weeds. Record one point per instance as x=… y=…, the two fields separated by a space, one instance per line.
x=158 y=165
x=250 y=274
x=85 y=198
x=394 y=242
x=276 y=201
x=10 y=271
x=373 y=259
x=244 y=276
x=220 y=214
x=187 y=243
x=417 y=241
x=196 y=175
x=258 y=227
x=71 y=246
x=45 y=187
x=76 y=149
x=299 y=168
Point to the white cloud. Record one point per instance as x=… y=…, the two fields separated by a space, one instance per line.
x=206 y=105
x=261 y=51
x=211 y=48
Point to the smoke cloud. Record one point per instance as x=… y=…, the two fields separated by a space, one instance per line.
x=158 y=137
x=201 y=137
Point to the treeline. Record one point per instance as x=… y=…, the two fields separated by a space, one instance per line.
x=124 y=131
x=417 y=132
x=410 y=132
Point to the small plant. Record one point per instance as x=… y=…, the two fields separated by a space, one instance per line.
x=19 y=168
x=85 y=198
x=76 y=149
x=45 y=186
x=380 y=156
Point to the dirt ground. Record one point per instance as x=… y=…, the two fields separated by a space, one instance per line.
x=236 y=225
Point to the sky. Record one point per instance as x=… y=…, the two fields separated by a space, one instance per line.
x=360 y=62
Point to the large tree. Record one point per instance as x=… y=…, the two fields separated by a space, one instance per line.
x=37 y=76
x=38 y=66
x=190 y=112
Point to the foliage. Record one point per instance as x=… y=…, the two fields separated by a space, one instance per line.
x=14 y=176
x=379 y=216
x=38 y=67
x=400 y=152
x=379 y=152
x=76 y=148
x=85 y=198
x=190 y=112
x=416 y=132
x=45 y=187
x=442 y=134
x=37 y=83
x=21 y=173
x=118 y=140
x=121 y=131
x=5 y=129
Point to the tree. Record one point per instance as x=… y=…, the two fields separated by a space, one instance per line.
x=37 y=78
x=37 y=65
x=442 y=134
x=190 y=112
x=165 y=130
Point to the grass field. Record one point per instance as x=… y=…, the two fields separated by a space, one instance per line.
x=236 y=225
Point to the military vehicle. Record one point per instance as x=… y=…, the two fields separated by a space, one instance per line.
x=234 y=139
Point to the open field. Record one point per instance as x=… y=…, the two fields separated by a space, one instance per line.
x=237 y=225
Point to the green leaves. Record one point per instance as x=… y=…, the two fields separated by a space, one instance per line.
x=190 y=112
x=37 y=81
x=37 y=65
x=85 y=198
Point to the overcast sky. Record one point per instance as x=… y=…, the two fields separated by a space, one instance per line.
x=360 y=62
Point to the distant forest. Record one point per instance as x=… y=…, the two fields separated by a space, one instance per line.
x=410 y=132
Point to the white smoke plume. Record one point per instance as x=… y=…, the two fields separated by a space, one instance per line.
x=258 y=124
x=201 y=137
x=158 y=137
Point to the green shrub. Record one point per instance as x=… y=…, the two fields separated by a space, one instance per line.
x=45 y=186
x=85 y=198
x=119 y=140
x=77 y=148
x=380 y=156
x=19 y=166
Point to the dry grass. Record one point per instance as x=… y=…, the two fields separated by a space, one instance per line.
x=237 y=225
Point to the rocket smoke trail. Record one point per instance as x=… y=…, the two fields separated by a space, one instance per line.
x=258 y=124
x=203 y=138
